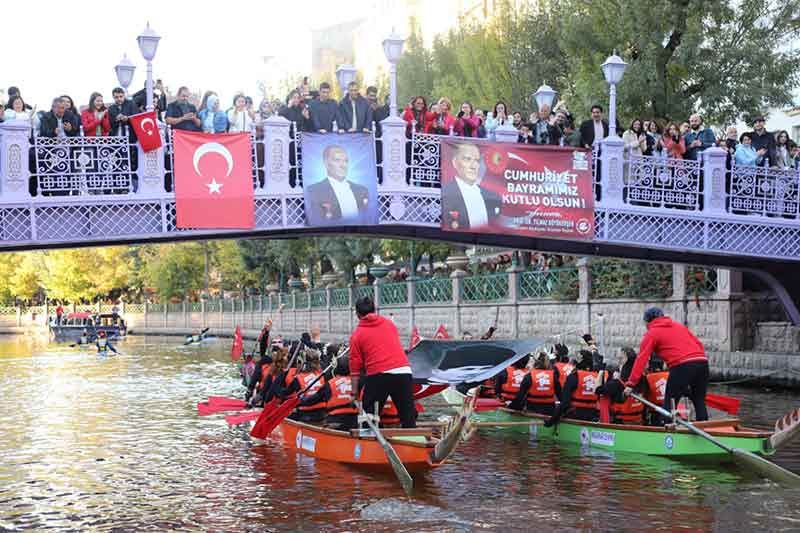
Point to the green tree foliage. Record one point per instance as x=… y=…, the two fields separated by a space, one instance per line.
x=175 y=270
x=727 y=60
x=348 y=253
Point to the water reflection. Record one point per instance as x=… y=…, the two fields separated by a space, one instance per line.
x=104 y=443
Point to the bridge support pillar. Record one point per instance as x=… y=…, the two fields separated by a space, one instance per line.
x=611 y=180
x=150 y=170
x=393 y=150
x=679 y=312
x=457 y=278
x=276 y=155
x=713 y=181
x=14 y=159
x=584 y=293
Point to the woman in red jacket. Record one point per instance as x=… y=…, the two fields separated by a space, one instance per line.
x=443 y=122
x=467 y=123
x=417 y=116
x=95 y=118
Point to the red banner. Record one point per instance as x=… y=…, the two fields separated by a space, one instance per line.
x=519 y=189
x=213 y=180
x=146 y=129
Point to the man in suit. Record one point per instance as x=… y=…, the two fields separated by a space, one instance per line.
x=336 y=200
x=595 y=129
x=59 y=123
x=465 y=204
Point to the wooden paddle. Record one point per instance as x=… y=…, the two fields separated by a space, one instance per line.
x=759 y=464
x=397 y=465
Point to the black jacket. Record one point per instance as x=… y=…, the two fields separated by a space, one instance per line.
x=127 y=108
x=587 y=132
x=49 y=124
x=159 y=102
x=295 y=115
x=765 y=140
x=363 y=114
x=454 y=209
x=323 y=114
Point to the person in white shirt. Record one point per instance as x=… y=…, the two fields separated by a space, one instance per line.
x=465 y=204
x=335 y=199
x=240 y=118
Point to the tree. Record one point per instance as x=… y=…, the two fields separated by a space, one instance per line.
x=392 y=250
x=348 y=253
x=175 y=270
x=726 y=60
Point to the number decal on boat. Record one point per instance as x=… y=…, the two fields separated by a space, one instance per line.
x=357 y=452
x=669 y=442
x=309 y=444
x=298 y=439
x=603 y=438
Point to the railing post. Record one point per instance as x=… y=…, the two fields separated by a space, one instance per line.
x=611 y=181
x=166 y=314
x=713 y=180
x=19 y=316
x=276 y=155
x=150 y=168
x=203 y=312
x=15 y=160
x=393 y=146
x=411 y=291
x=585 y=293
x=679 y=292
x=145 y=313
x=506 y=133
x=350 y=302
x=376 y=293
x=514 y=297
x=328 y=307
x=185 y=314
x=457 y=279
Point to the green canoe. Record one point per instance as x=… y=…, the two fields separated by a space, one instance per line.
x=663 y=441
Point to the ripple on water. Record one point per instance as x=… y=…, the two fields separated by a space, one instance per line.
x=115 y=444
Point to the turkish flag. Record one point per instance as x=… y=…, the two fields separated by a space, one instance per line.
x=441 y=333
x=415 y=338
x=238 y=344
x=146 y=128
x=213 y=180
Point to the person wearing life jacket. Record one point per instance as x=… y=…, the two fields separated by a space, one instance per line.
x=248 y=370
x=263 y=338
x=336 y=394
x=624 y=409
x=540 y=388
x=312 y=407
x=507 y=384
x=270 y=372
x=103 y=344
x=84 y=338
x=578 y=397
x=562 y=363
x=683 y=354
x=656 y=386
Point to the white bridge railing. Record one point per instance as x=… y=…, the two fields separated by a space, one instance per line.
x=89 y=189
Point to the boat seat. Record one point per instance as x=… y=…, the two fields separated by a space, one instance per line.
x=400 y=432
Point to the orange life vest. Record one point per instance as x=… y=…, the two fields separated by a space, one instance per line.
x=264 y=375
x=628 y=412
x=305 y=379
x=290 y=376
x=543 y=388
x=487 y=389
x=514 y=377
x=584 y=396
x=341 y=403
x=656 y=387
x=563 y=371
x=390 y=414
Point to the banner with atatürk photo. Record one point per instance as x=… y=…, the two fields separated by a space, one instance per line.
x=520 y=189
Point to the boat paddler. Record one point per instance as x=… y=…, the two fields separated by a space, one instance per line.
x=375 y=346
x=337 y=395
x=103 y=344
x=624 y=409
x=539 y=388
x=684 y=355
x=312 y=406
x=578 y=396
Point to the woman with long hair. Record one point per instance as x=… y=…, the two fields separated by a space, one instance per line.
x=417 y=116
x=94 y=118
x=239 y=117
x=672 y=140
x=498 y=117
x=783 y=150
x=467 y=123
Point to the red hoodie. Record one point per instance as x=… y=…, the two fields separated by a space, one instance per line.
x=673 y=342
x=375 y=346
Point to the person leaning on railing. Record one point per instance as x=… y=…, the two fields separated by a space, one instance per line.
x=58 y=123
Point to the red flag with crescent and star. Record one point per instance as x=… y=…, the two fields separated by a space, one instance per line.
x=213 y=180
x=441 y=333
x=146 y=128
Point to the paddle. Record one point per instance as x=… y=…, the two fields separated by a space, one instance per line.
x=397 y=465
x=267 y=421
x=759 y=464
x=241 y=418
x=724 y=403
x=218 y=404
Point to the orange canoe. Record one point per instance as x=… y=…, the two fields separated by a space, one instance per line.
x=417 y=448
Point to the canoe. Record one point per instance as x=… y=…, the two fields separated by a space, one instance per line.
x=667 y=441
x=419 y=449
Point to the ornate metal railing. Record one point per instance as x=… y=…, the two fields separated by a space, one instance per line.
x=393 y=293
x=340 y=297
x=425 y=166
x=319 y=298
x=773 y=192
x=559 y=283
x=301 y=300
x=134 y=309
x=83 y=165
x=485 y=288
x=662 y=182
x=434 y=290
x=359 y=291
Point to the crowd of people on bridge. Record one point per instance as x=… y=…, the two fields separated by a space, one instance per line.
x=313 y=110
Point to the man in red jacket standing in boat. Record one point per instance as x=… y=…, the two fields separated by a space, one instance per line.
x=684 y=355
x=375 y=346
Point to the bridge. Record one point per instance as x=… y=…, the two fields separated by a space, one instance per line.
x=86 y=191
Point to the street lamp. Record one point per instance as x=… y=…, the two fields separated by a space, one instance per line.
x=544 y=96
x=393 y=48
x=345 y=75
x=148 y=44
x=125 y=71
x=613 y=69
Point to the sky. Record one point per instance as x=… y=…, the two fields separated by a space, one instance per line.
x=72 y=48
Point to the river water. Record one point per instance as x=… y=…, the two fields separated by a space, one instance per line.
x=89 y=443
